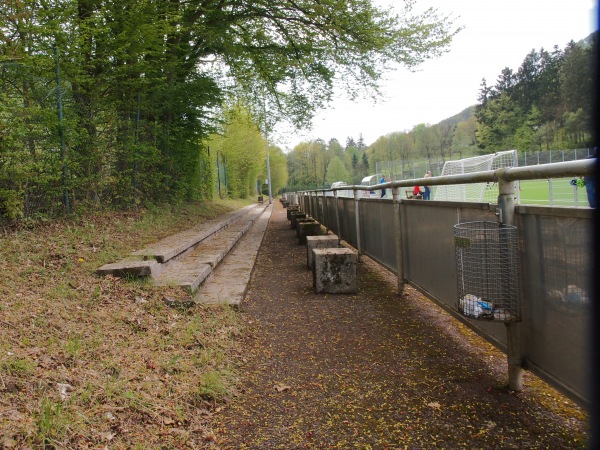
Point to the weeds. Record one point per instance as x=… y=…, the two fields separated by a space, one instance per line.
x=52 y=422
x=17 y=366
x=213 y=385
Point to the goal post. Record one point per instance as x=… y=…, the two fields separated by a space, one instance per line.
x=474 y=192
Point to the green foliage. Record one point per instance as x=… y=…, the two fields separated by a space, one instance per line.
x=107 y=104
x=243 y=148
x=545 y=104
x=336 y=171
x=279 y=170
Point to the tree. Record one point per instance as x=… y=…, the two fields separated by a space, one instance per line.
x=306 y=164
x=505 y=82
x=244 y=149
x=144 y=81
x=350 y=143
x=335 y=148
x=336 y=171
x=576 y=81
x=497 y=124
x=464 y=135
x=279 y=169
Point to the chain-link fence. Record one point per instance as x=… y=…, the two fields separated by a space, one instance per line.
x=544 y=192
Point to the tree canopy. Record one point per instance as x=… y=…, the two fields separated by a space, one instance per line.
x=546 y=103
x=109 y=102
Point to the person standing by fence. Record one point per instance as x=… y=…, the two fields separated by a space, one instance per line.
x=427 y=192
x=590 y=184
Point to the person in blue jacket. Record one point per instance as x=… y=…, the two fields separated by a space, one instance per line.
x=590 y=183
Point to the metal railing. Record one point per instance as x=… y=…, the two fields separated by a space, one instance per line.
x=421 y=239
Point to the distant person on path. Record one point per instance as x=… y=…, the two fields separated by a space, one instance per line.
x=383 y=180
x=590 y=183
x=427 y=193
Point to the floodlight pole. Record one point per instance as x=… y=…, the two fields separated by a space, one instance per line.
x=506 y=212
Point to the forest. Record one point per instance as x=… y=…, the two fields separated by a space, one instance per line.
x=116 y=104
x=545 y=104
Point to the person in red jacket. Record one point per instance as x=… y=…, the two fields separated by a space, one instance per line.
x=417 y=192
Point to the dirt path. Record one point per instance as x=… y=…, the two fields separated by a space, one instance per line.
x=372 y=370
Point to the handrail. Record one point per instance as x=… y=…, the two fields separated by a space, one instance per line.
x=581 y=167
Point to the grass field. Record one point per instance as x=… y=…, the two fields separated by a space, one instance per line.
x=555 y=192
x=537 y=192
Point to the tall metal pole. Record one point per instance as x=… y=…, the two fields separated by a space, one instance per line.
x=137 y=143
x=268 y=168
x=267 y=144
x=61 y=134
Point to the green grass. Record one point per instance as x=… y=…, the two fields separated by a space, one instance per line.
x=537 y=192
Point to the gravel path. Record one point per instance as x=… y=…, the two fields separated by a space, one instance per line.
x=372 y=370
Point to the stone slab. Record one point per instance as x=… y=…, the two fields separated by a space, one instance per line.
x=187 y=276
x=178 y=243
x=230 y=280
x=308 y=229
x=313 y=242
x=334 y=271
x=137 y=267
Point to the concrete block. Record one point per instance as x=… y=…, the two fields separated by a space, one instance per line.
x=313 y=242
x=295 y=216
x=290 y=210
x=299 y=221
x=308 y=229
x=334 y=271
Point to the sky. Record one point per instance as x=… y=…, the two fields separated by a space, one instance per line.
x=495 y=35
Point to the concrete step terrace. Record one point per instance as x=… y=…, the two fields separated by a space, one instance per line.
x=187 y=258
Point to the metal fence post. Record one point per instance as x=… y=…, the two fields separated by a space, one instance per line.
x=324 y=212
x=337 y=215
x=357 y=221
x=396 y=196
x=506 y=205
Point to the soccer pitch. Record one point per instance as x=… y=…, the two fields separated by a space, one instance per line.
x=537 y=192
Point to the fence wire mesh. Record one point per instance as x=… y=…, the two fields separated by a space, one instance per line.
x=487 y=264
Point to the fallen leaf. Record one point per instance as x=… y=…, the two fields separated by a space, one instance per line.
x=282 y=388
x=168 y=421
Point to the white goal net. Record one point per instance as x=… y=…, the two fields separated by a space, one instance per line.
x=475 y=192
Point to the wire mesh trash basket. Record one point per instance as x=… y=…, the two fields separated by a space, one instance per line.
x=488 y=275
